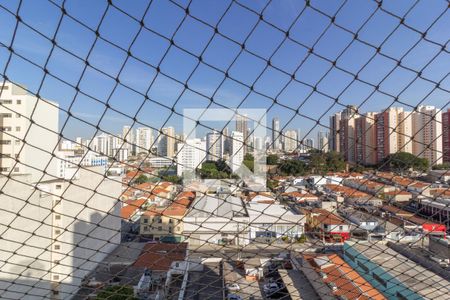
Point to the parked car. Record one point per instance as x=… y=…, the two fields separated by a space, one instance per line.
x=234 y=297
x=234 y=287
x=271 y=288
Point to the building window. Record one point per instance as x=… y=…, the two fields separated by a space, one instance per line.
x=159 y=220
x=4 y=169
x=380 y=280
x=55 y=292
x=349 y=256
x=55 y=277
x=57 y=247
x=58 y=186
x=16 y=169
x=146 y=221
x=341 y=228
x=2 y=101
x=362 y=266
x=5 y=115
x=159 y=228
x=5 y=142
x=57 y=217
x=18 y=116
x=57 y=231
x=17 y=128
x=6 y=128
x=178 y=228
x=17 y=142
x=145 y=228
x=19 y=101
x=170 y=221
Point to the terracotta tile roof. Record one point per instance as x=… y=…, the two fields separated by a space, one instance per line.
x=326 y=217
x=440 y=192
x=170 y=211
x=159 y=257
x=347 y=281
x=136 y=203
x=128 y=211
x=346 y=191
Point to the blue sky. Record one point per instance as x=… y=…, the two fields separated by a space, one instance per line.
x=221 y=52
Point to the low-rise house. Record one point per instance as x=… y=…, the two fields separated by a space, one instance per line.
x=299 y=197
x=226 y=219
x=369 y=186
x=328 y=226
x=273 y=221
x=350 y=195
x=397 y=196
x=166 y=223
x=409 y=220
x=263 y=197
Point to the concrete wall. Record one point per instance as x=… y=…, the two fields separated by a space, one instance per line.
x=440 y=247
x=84 y=225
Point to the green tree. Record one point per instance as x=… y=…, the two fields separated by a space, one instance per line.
x=117 y=292
x=292 y=167
x=249 y=161
x=140 y=179
x=444 y=166
x=173 y=178
x=335 y=162
x=215 y=169
x=318 y=162
x=272 y=159
x=222 y=166
x=403 y=161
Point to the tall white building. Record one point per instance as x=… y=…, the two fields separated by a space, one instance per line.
x=129 y=140
x=276 y=136
x=237 y=150
x=322 y=141
x=214 y=145
x=29 y=133
x=191 y=155
x=258 y=143
x=427 y=134
x=309 y=144
x=144 y=139
x=70 y=160
x=166 y=142
x=290 y=141
x=54 y=235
